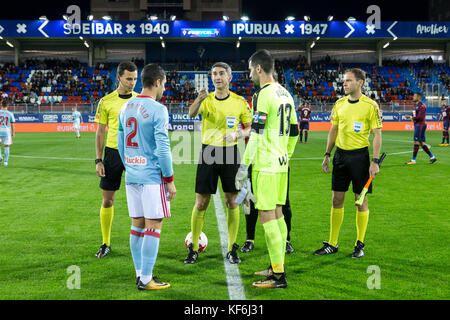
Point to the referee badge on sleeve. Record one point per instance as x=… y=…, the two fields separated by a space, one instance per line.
x=357 y=126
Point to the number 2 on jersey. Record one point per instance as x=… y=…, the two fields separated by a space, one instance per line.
x=284 y=108
x=132 y=122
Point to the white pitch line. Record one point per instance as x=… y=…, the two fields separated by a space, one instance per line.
x=234 y=281
x=405 y=141
x=395 y=153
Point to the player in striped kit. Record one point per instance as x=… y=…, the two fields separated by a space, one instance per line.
x=144 y=147
x=304 y=115
x=445 y=116
x=420 y=126
x=7 y=122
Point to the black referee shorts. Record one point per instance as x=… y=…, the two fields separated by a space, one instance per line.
x=350 y=166
x=214 y=163
x=113 y=170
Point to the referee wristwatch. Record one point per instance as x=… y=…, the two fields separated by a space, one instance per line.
x=376 y=160
x=327 y=154
x=98 y=160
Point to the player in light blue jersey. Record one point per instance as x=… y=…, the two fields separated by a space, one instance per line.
x=144 y=147
x=77 y=119
x=7 y=131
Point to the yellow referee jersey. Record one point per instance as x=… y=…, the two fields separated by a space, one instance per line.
x=222 y=116
x=355 y=120
x=108 y=113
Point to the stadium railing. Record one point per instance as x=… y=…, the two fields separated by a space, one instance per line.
x=51 y=108
x=176 y=107
x=385 y=107
x=82 y=107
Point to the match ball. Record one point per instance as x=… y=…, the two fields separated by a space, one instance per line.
x=202 y=241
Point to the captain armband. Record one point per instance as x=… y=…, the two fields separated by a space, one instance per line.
x=259 y=122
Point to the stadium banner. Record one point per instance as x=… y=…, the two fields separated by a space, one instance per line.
x=54 y=127
x=183 y=118
x=313 y=126
x=222 y=29
x=62 y=122
x=319 y=121
x=387 y=126
x=51 y=118
x=181 y=126
x=387 y=116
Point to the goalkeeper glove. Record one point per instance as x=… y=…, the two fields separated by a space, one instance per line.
x=245 y=196
x=241 y=176
x=246 y=202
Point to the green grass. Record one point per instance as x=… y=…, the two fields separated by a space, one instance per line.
x=49 y=213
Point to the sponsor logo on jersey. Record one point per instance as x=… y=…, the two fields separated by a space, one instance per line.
x=283 y=160
x=137 y=160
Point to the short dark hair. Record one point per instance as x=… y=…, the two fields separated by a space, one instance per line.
x=151 y=73
x=264 y=59
x=126 y=65
x=224 y=65
x=4 y=103
x=358 y=73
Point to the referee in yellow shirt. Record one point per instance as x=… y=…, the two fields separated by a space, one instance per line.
x=352 y=119
x=110 y=169
x=222 y=111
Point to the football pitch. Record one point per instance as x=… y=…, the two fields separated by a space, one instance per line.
x=49 y=213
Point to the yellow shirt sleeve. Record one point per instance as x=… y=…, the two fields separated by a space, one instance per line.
x=246 y=115
x=101 y=116
x=204 y=106
x=264 y=101
x=334 y=116
x=375 y=118
x=293 y=115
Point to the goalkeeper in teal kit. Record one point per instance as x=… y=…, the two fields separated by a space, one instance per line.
x=272 y=142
